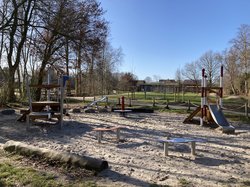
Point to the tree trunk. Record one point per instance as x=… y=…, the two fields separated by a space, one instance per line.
x=246 y=87
x=19 y=83
x=18 y=44
x=40 y=80
x=233 y=89
x=91 y=75
x=78 y=75
x=11 y=84
x=67 y=67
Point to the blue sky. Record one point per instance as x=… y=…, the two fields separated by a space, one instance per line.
x=159 y=36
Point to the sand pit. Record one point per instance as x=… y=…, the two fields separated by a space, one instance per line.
x=138 y=159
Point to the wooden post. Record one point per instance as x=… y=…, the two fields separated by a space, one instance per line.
x=62 y=87
x=221 y=87
x=118 y=134
x=193 y=148
x=203 y=91
x=130 y=102
x=61 y=102
x=99 y=136
x=153 y=101
x=28 y=121
x=167 y=107
x=123 y=103
x=174 y=94
x=48 y=81
x=165 y=93
x=165 y=148
x=188 y=105
x=183 y=93
x=246 y=109
x=28 y=93
x=107 y=101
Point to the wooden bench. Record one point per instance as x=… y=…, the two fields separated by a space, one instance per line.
x=41 y=115
x=193 y=141
x=100 y=132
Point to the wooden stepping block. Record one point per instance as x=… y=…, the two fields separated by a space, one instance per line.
x=100 y=132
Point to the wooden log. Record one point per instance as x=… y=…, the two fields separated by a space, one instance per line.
x=63 y=157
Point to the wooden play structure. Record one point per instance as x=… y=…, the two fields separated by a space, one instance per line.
x=209 y=111
x=47 y=109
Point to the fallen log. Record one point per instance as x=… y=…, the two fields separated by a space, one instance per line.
x=63 y=157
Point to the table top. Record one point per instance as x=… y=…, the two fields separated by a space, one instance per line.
x=182 y=140
x=122 y=111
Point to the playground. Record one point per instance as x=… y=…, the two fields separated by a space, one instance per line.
x=138 y=158
x=129 y=146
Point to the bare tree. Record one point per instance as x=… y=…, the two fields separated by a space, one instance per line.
x=191 y=72
x=230 y=61
x=242 y=45
x=156 y=78
x=211 y=62
x=16 y=26
x=178 y=76
x=127 y=81
x=35 y=33
x=148 y=79
x=71 y=25
x=110 y=59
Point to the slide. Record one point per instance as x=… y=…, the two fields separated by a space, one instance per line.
x=220 y=119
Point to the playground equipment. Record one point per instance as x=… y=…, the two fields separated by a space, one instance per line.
x=95 y=102
x=100 y=132
x=47 y=109
x=123 y=112
x=210 y=112
x=167 y=142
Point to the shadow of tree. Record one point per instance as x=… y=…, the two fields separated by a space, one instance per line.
x=210 y=161
x=115 y=176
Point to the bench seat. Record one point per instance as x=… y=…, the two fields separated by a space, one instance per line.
x=193 y=141
x=41 y=115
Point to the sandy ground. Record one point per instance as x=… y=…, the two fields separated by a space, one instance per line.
x=138 y=159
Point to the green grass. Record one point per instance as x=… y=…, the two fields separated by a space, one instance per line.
x=245 y=183
x=11 y=176
x=184 y=183
x=14 y=173
x=24 y=176
x=236 y=117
